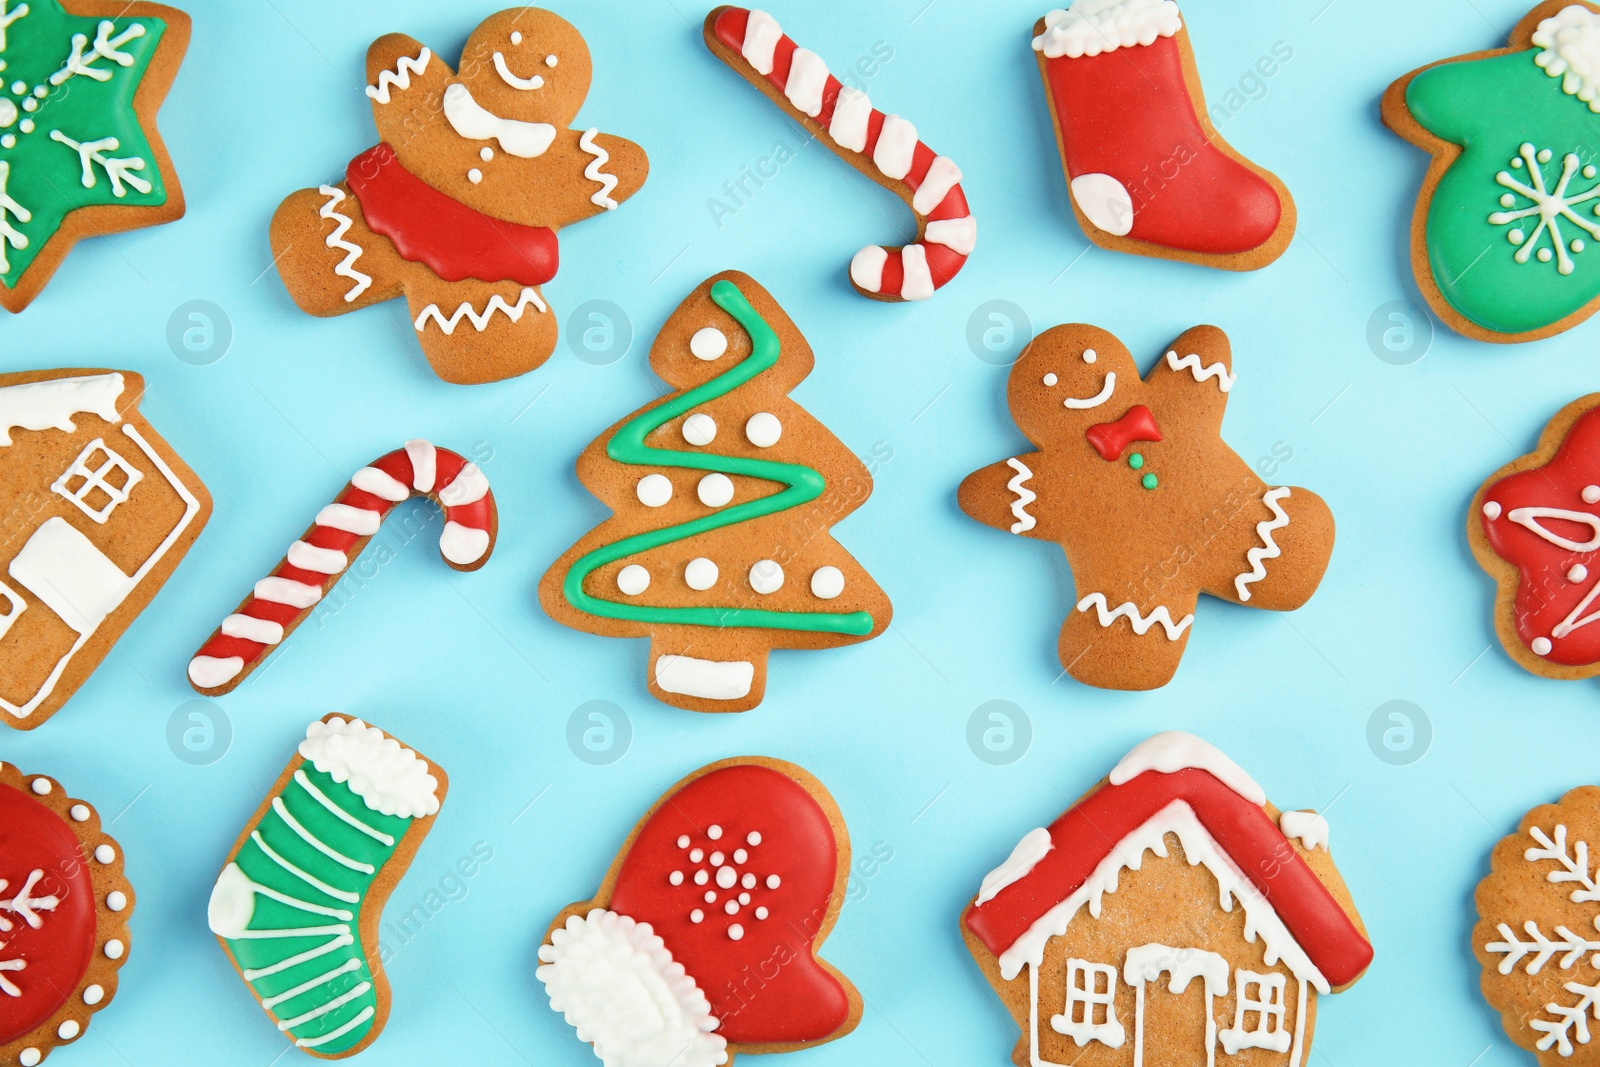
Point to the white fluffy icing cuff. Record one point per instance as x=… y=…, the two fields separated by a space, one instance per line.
x=1569 y=44
x=1090 y=27
x=389 y=777
x=616 y=983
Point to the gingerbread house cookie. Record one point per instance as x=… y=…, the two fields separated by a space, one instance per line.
x=98 y=512
x=1171 y=915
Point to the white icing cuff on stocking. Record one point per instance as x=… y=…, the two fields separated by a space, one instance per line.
x=1569 y=43
x=706 y=678
x=389 y=777
x=1090 y=27
x=616 y=983
x=1105 y=201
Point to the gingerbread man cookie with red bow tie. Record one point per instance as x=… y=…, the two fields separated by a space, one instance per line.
x=457 y=207
x=1133 y=480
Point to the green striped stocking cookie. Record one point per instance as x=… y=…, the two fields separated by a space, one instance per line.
x=298 y=902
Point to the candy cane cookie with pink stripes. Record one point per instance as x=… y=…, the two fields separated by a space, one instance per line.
x=283 y=599
x=883 y=147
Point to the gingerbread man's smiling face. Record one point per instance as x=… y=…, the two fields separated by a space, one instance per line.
x=1068 y=379
x=523 y=65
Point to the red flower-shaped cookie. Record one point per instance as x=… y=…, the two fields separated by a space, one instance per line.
x=1535 y=528
x=64 y=907
x=702 y=940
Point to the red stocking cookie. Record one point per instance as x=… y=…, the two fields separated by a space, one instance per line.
x=315 y=563
x=99 y=510
x=702 y=940
x=883 y=147
x=457 y=208
x=1222 y=938
x=1535 y=527
x=1146 y=170
x=1134 y=482
x=64 y=910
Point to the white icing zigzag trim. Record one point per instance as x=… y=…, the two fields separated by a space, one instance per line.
x=400 y=77
x=593 y=172
x=1019 y=506
x=1569 y=44
x=1141 y=623
x=1191 y=363
x=1268 y=549
x=341 y=226
x=480 y=320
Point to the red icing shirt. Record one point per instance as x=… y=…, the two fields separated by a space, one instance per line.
x=48 y=927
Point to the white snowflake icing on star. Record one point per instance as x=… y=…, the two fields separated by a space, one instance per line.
x=105 y=47
x=9 y=234
x=7 y=18
x=118 y=170
x=1548 y=205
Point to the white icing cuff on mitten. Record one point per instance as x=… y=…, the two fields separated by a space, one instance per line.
x=389 y=777
x=1090 y=27
x=616 y=984
x=1569 y=43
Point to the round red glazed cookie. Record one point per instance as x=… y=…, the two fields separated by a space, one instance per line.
x=64 y=908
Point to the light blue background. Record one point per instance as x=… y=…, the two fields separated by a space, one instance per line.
x=470 y=670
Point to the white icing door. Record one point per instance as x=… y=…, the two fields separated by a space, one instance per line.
x=73 y=578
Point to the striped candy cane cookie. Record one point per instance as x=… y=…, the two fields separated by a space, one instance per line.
x=283 y=599
x=883 y=147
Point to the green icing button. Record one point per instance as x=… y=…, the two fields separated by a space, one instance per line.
x=1149 y=481
x=1136 y=461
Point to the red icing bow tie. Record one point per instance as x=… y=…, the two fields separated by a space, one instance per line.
x=735 y=872
x=1110 y=438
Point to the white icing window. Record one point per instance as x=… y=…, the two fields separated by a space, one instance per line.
x=97 y=481
x=1258 y=1016
x=11 y=606
x=1090 y=1013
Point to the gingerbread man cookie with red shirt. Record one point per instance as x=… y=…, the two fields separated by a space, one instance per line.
x=457 y=207
x=1133 y=480
x=64 y=909
x=702 y=940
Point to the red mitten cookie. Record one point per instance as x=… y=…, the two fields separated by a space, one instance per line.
x=1134 y=482
x=99 y=512
x=457 y=207
x=64 y=910
x=1223 y=936
x=1147 y=173
x=702 y=940
x=1535 y=527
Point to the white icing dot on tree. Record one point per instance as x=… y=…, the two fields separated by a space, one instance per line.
x=827 y=582
x=763 y=429
x=654 y=490
x=715 y=490
x=708 y=343
x=700 y=574
x=633 y=579
x=766 y=576
x=699 y=429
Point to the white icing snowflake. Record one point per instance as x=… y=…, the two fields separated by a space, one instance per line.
x=8 y=987
x=25 y=905
x=1547 y=204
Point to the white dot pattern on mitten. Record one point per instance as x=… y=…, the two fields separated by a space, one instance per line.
x=729 y=873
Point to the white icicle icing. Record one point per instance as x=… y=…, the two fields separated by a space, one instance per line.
x=385 y=774
x=52 y=404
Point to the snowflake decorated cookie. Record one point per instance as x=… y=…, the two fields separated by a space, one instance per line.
x=1147 y=173
x=1133 y=480
x=1535 y=527
x=80 y=84
x=1501 y=242
x=1172 y=915
x=1536 y=937
x=299 y=900
x=702 y=940
x=456 y=208
x=723 y=493
x=64 y=911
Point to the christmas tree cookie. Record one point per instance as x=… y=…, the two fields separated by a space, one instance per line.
x=1538 y=911
x=1133 y=480
x=702 y=940
x=1500 y=241
x=457 y=207
x=80 y=84
x=297 y=905
x=723 y=493
x=64 y=911
x=1147 y=172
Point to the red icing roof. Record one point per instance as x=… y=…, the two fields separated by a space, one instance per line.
x=1086 y=834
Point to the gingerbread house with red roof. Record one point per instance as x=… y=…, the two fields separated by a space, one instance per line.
x=1171 y=915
